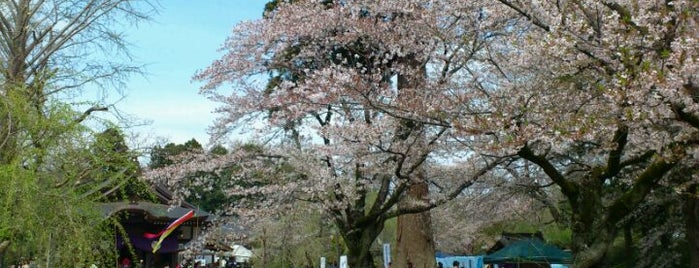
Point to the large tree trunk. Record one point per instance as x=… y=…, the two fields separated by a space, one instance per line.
x=414 y=238
x=591 y=256
x=691 y=212
x=359 y=242
x=590 y=237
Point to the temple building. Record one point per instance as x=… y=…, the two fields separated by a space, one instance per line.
x=138 y=216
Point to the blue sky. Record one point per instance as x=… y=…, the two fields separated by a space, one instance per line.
x=182 y=38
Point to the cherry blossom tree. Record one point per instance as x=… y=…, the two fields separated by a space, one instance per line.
x=461 y=226
x=601 y=96
x=360 y=102
x=382 y=97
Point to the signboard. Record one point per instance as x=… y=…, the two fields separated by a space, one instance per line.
x=386 y=255
x=343 y=262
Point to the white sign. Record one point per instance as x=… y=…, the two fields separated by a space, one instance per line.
x=343 y=262
x=386 y=255
x=322 y=262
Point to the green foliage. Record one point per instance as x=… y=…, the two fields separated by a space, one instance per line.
x=162 y=156
x=53 y=167
x=218 y=150
x=207 y=195
x=118 y=168
x=300 y=237
x=52 y=226
x=297 y=239
x=53 y=170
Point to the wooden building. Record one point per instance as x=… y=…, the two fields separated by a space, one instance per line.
x=138 y=216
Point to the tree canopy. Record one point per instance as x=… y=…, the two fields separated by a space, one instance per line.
x=355 y=97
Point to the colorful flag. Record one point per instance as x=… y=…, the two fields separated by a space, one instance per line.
x=164 y=233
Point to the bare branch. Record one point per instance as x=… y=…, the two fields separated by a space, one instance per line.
x=88 y=112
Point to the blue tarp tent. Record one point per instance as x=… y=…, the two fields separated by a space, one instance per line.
x=464 y=261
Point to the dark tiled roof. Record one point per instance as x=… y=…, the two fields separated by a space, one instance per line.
x=153 y=211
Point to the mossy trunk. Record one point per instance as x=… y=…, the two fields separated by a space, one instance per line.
x=590 y=247
x=591 y=236
x=359 y=242
x=593 y=255
x=691 y=212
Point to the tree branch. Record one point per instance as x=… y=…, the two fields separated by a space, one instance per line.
x=637 y=160
x=643 y=185
x=624 y=15
x=614 y=160
x=88 y=112
x=688 y=118
x=569 y=188
x=530 y=17
x=382 y=194
x=455 y=193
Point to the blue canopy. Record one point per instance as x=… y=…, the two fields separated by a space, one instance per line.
x=464 y=261
x=529 y=251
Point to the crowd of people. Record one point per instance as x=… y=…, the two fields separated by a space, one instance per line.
x=223 y=262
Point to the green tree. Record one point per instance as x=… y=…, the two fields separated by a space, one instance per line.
x=206 y=188
x=161 y=156
x=50 y=52
x=119 y=171
x=48 y=196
